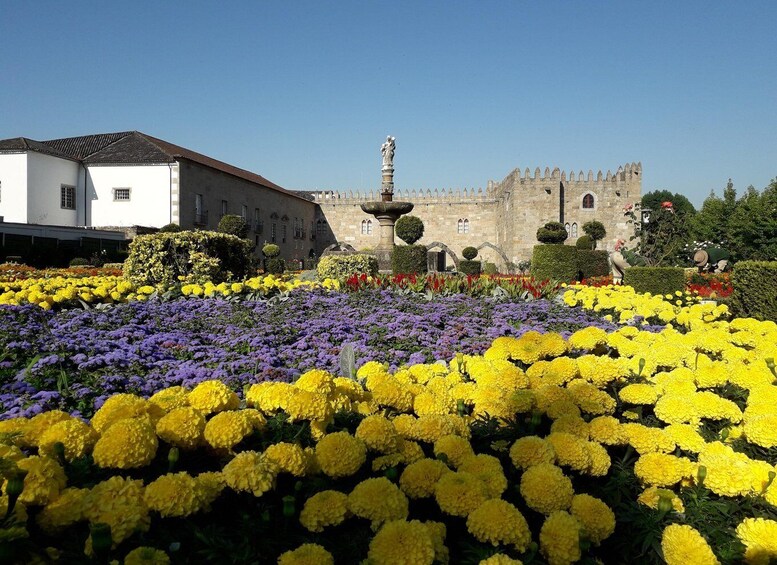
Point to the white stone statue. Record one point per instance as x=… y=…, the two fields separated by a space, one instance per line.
x=387 y=150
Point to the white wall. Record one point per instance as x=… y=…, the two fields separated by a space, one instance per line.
x=13 y=176
x=45 y=177
x=149 y=203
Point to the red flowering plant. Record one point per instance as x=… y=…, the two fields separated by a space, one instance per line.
x=710 y=285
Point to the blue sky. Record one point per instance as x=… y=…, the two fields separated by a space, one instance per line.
x=304 y=93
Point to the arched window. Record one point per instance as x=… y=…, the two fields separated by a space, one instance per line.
x=366 y=227
x=588 y=201
x=566 y=227
x=574 y=231
x=462 y=226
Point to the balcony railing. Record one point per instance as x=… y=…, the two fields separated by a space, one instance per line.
x=201 y=218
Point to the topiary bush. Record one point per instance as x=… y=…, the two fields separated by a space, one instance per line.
x=552 y=232
x=275 y=266
x=755 y=290
x=469 y=267
x=78 y=262
x=234 y=225
x=489 y=268
x=189 y=257
x=170 y=228
x=409 y=229
x=595 y=230
x=592 y=263
x=406 y=259
x=655 y=280
x=584 y=242
x=469 y=253
x=270 y=250
x=343 y=266
x=554 y=262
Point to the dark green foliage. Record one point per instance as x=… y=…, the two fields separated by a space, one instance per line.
x=409 y=229
x=552 y=232
x=270 y=250
x=554 y=262
x=469 y=267
x=233 y=225
x=489 y=268
x=170 y=228
x=593 y=263
x=656 y=280
x=408 y=259
x=755 y=290
x=655 y=198
x=595 y=230
x=78 y=262
x=274 y=266
x=469 y=253
x=585 y=242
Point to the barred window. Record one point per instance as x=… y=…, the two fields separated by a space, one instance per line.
x=273 y=231
x=121 y=194
x=462 y=226
x=574 y=231
x=68 y=197
x=366 y=227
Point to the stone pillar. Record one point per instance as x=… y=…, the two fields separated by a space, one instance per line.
x=387 y=184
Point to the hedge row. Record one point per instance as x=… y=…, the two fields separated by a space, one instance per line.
x=656 y=280
x=566 y=263
x=343 y=266
x=406 y=259
x=755 y=290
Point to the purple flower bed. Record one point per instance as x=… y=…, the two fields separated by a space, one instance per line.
x=74 y=359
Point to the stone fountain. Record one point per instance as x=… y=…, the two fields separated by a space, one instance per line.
x=387 y=211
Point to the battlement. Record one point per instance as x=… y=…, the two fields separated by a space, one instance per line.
x=631 y=172
x=415 y=195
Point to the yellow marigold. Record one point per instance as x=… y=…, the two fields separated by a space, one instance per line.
x=601 y=371
x=454 y=448
x=119 y=407
x=682 y=545
x=213 y=396
x=404 y=424
x=597 y=518
x=762 y=430
x=65 y=510
x=119 y=503
x=728 y=472
x=606 y=430
x=488 y=469
x=599 y=459
x=378 y=434
x=170 y=398
x=759 y=536
x=662 y=470
x=386 y=461
x=226 y=429
x=438 y=531
x=432 y=427
x=546 y=489
x=182 y=427
x=340 y=454
x=639 y=393
x=16 y=428
x=39 y=424
x=420 y=477
x=127 y=444
x=318 y=381
x=174 y=495
x=209 y=486
x=388 y=391
x=371 y=368
x=460 y=493
x=325 y=508
x=646 y=440
x=498 y=522
x=531 y=450
x=590 y=399
x=11 y=452
x=570 y=450
x=529 y=348
x=146 y=556
x=500 y=559
x=250 y=471
x=306 y=405
x=651 y=495
x=497 y=372
x=686 y=437
x=77 y=437
x=378 y=500
x=710 y=405
x=588 y=338
x=399 y=541
x=495 y=402
x=410 y=451
x=289 y=457
x=574 y=425
x=307 y=554
x=44 y=480
x=560 y=538
x=269 y=396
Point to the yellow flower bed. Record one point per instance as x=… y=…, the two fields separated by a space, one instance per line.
x=419 y=423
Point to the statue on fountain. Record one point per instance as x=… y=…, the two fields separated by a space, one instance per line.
x=387 y=150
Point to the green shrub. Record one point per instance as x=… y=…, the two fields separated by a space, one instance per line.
x=755 y=290
x=554 y=262
x=489 y=268
x=584 y=242
x=188 y=256
x=234 y=225
x=469 y=267
x=409 y=229
x=343 y=266
x=593 y=263
x=78 y=262
x=655 y=280
x=407 y=259
x=469 y=253
x=552 y=232
x=170 y=228
x=270 y=250
x=274 y=266
x=595 y=230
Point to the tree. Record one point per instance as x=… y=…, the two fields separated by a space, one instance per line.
x=653 y=200
x=663 y=238
x=753 y=224
x=595 y=230
x=233 y=224
x=409 y=229
x=711 y=223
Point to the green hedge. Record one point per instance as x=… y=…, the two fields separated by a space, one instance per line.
x=593 y=263
x=189 y=257
x=407 y=259
x=554 y=261
x=655 y=280
x=274 y=266
x=468 y=267
x=489 y=268
x=343 y=266
x=755 y=290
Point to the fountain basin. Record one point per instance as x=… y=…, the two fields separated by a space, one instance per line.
x=392 y=208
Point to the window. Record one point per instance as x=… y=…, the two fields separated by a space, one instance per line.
x=573 y=233
x=568 y=228
x=200 y=215
x=121 y=194
x=283 y=233
x=244 y=212
x=258 y=224
x=224 y=207
x=312 y=230
x=273 y=232
x=588 y=201
x=462 y=226
x=366 y=227
x=68 y=197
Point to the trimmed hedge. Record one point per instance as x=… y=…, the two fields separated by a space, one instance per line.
x=188 y=257
x=409 y=229
x=755 y=290
x=593 y=263
x=233 y=224
x=489 y=268
x=469 y=267
x=655 y=280
x=343 y=266
x=554 y=261
x=585 y=242
x=274 y=266
x=469 y=253
x=406 y=259
x=552 y=232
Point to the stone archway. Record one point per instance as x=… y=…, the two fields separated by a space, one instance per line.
x=448 y=250
x=339 y=246
x=498 y=252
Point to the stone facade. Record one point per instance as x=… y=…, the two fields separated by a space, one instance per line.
x=506 y=215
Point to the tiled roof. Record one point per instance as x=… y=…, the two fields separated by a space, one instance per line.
x=18 y=144
x=85 y=145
